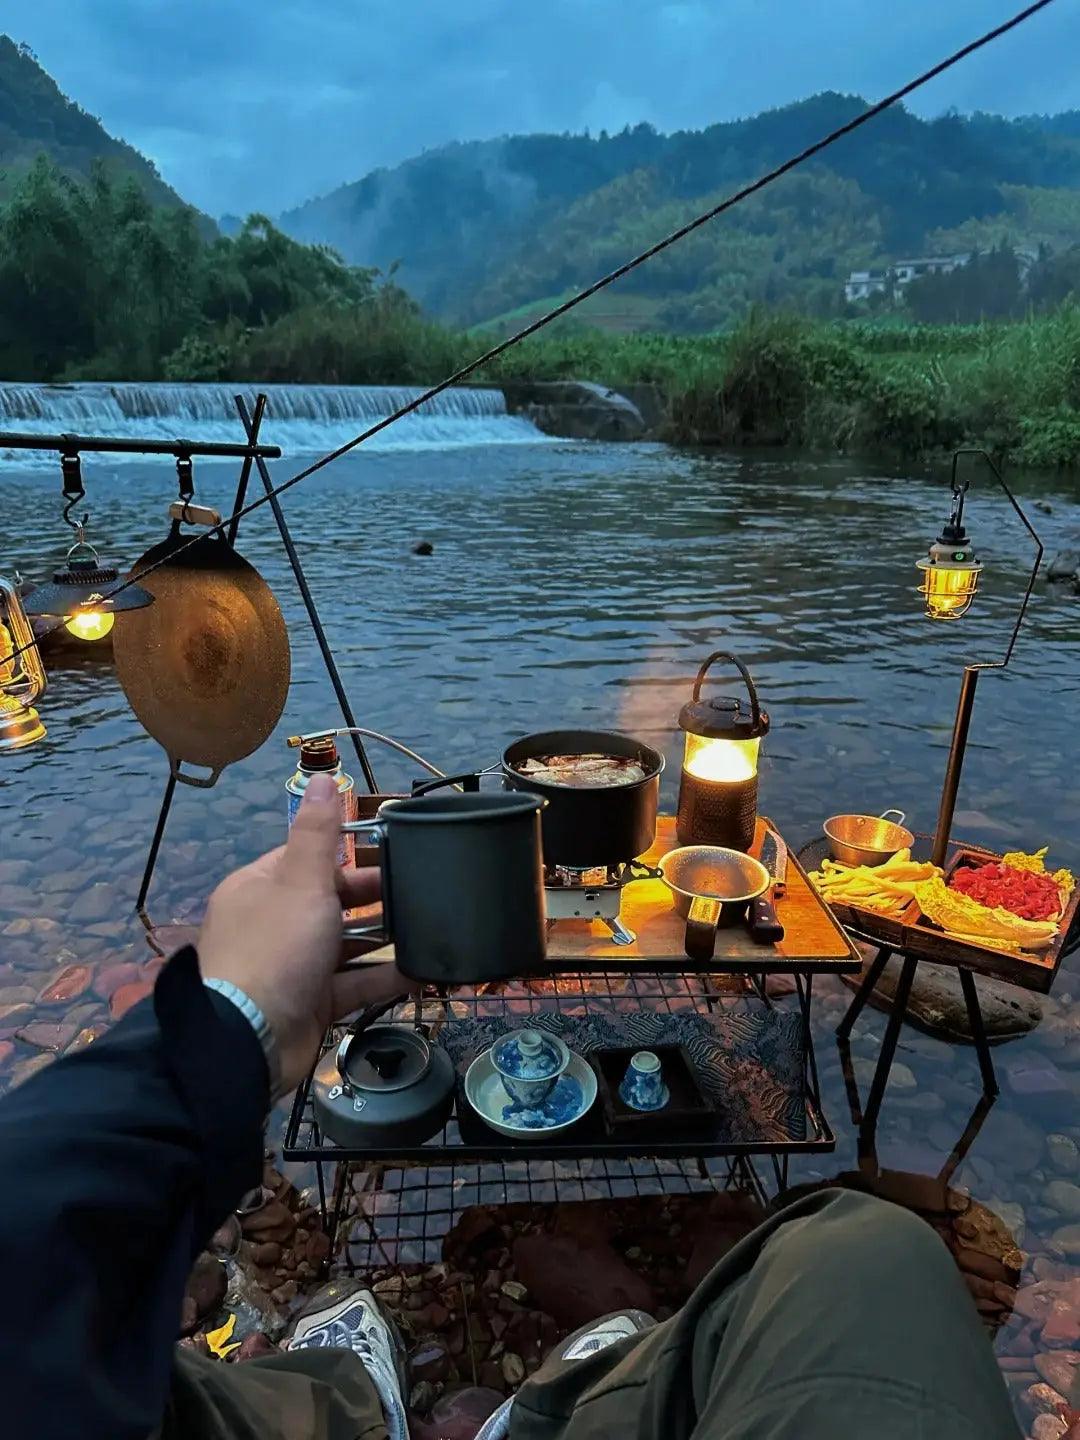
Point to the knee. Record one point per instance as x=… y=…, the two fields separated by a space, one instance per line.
x=872 y=1238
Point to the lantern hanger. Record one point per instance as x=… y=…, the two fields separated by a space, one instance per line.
x=953 y=550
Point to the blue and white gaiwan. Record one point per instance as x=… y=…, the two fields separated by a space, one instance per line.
x=529 y=1063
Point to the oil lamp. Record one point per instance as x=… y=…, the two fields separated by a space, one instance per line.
x=950 y=580
x=86 y=594
x=22 y=675
x=719 y=781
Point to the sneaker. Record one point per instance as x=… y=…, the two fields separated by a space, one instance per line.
x=345 y=1316
x=588 y=1340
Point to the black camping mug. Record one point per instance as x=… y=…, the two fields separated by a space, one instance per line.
x=462 y=885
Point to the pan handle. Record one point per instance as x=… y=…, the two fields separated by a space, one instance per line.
x=203 y=782
x=900 y=816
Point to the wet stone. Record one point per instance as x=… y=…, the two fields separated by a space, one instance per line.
x=97 y=902
x=1063 y=1153
x=1064 y=1197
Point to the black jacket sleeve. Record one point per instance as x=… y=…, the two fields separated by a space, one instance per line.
x=116 y=1166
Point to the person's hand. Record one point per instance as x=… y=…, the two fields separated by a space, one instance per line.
x=274 y=929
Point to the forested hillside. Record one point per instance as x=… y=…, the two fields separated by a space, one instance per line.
x=36 y=118
x=486 y=228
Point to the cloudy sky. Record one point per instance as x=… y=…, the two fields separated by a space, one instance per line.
x=259 y=104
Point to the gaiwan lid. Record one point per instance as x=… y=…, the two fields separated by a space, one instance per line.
x=529 y=1055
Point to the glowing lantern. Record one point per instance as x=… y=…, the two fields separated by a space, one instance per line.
x=22 y=675
x=719 y=781
x=87 y=595
x=950 y=576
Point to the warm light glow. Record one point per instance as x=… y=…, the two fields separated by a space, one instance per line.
x=949 y=590
x=729 y=760
x=90 y=624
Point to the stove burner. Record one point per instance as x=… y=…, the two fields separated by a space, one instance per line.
x=590 y=894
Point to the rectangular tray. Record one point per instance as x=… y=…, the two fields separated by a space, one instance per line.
x=687 y=1111
x=912 y=933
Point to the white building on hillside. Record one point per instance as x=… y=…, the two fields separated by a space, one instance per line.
x=861 y=284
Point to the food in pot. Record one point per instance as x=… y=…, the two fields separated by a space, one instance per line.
x=967 y=918
x=579 y=771
x=886 y=888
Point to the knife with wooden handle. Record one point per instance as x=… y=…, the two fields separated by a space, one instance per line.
x=765 y=928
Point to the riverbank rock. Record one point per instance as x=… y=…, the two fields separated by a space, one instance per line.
x=576 y=409
x=574 y=1283
x=937 y=1004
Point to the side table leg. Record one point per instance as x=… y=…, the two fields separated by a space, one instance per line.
x=870 y=979
x=978 y=1032
x=888 y=1045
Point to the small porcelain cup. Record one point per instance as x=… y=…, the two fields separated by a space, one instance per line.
x=643 y=1085
x=529 y=1063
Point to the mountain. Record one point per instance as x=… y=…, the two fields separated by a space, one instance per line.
x=36 y=117
x=494 y=229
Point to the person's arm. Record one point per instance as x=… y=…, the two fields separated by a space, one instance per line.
x=118 y=1163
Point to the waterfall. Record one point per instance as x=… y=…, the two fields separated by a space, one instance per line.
x=302 y=419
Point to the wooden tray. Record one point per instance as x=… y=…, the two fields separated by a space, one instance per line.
x=911 y=932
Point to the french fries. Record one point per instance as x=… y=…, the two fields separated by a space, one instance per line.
x=885 y=888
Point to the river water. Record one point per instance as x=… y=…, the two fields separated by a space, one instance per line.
x=571 y=584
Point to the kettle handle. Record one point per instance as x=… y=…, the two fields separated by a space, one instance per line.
x=363 y=1020
x=755 y=708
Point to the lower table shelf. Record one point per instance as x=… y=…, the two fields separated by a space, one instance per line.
x=756 y=1061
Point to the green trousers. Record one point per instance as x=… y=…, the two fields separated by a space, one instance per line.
x=841 y=1317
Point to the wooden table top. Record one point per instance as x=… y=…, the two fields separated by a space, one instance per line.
x=814 y=941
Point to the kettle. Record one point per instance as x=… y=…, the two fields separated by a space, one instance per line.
x=384 y=1085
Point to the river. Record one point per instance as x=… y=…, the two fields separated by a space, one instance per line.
x=571 y=584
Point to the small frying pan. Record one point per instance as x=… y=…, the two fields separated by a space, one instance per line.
x=206 y=667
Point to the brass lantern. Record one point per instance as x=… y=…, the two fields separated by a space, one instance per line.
x=22 y=675
x=719 y=782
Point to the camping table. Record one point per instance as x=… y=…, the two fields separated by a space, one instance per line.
x=586 y=973
x=914 y=943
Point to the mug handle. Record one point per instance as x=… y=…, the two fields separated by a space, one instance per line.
x=700 y=938
x=374 y=834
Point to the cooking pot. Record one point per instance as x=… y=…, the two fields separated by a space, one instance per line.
x=385 y=1085
x=590 y=825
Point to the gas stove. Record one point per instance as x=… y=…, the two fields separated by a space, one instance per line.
x=591 y=894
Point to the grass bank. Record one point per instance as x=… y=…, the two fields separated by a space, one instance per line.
x=910 y=390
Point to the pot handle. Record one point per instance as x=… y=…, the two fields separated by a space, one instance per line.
x=755 y=708
x=374 y=833
x=204 y=782
x=363 y=1020
x=900 y=816
x=700 y=939
x=468 y=782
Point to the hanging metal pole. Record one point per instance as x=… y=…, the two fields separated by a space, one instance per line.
x=170 y=784
x=245 y=473
x=309 y=602
x=155 y=843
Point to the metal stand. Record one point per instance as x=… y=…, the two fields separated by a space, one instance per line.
x=251 y=426
x=867 y=1119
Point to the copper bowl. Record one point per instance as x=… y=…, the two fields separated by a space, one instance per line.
x=866 y=839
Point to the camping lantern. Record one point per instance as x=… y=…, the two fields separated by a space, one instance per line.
x=719 y=781
x=950 y=576
x=87 y=595
x=22 y=675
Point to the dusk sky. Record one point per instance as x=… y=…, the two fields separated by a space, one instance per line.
x=259 y=106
